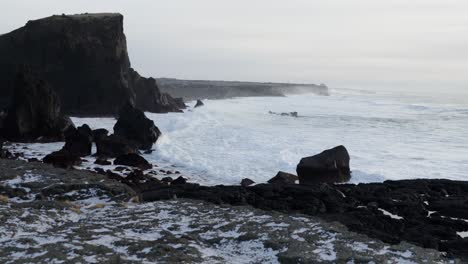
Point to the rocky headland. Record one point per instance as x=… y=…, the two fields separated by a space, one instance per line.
x=202 y=89
x=84 y=59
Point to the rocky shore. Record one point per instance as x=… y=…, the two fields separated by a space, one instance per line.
x=120 y=208
x=56 y=215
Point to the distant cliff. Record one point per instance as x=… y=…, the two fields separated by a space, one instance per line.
x=84 y=59
x=201 y=89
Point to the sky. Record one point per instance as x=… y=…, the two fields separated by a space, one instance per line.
x=364 y=44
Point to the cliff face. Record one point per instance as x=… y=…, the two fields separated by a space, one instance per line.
x=83 y=57
x=203 y=89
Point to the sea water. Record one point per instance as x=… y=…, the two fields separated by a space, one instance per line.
x=388 y=135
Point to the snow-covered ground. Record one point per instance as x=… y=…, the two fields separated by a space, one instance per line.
x=69 y=216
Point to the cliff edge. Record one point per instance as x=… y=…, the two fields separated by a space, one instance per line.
x=85 y=60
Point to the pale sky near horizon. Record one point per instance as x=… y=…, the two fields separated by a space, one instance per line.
x=368 y=44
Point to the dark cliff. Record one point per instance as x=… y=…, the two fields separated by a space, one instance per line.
x=84 y=59
x=203 y=89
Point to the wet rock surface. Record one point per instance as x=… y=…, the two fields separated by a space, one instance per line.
x=428 y=213
x=53 y=215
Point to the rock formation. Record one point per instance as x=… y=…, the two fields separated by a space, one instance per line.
x=199 y=103
x=283 y=178
x=133 y=160
x=35 y=112
x=331 y=166
x=79 y=141
x=136 y=127
x=113 y=146
x=84 y=59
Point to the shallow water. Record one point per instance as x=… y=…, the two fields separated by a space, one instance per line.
x=389 y=136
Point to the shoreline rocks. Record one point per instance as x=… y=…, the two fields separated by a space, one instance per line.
x=330 y=166
x=133 y=160
x=134 y=126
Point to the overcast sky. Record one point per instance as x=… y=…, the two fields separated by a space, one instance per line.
x=369 y=44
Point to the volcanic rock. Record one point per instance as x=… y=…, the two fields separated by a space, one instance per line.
x=62 y=159
x=246 y=182
x=179 y=181
x=99 y=134
x=330 y=166
x=78 y=141
x=113 y=146
x=102 y=161
x=84 y=59
x=283 y=178
x=35 y=113
x=133 y=160
x=136 y=127
x=199 y=103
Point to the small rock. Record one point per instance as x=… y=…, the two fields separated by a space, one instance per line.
x=283 y=178
x=180 y=180
x=133 y=160
x=246 y=182
x=62 y=159
x=199 y=103
x=102 y=161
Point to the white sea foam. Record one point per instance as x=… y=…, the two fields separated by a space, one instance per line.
x=388 y=137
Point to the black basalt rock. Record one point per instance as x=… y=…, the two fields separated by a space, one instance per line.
x=79 y=141
x=133 y=160
x=113 y=146
x=199 y=103
x=35 y=112
x=85 y=60
x=136 y=127
x=330 y=166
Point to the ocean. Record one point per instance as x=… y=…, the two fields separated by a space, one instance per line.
x=389 y=136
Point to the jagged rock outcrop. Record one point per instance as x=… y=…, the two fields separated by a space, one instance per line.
x=79 y=141
x=113 y=146
x=136 y=127
x=330 y=166
x=199 y=103
x=149 y=98
x=84 y=59
x=35 y=113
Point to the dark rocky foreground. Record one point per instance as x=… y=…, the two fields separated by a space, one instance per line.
x=85 y=61
x=50 y=215
x=427 y=213
x=196 y=89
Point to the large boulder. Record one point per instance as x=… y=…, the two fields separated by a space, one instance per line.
x=79 y=141
x=113 y=146
x=136 y=127
x=85 y=59
x=35 y=112
x=62 y=159
x=330 y=166
x=133 y=160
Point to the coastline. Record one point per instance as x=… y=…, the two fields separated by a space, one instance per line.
x=93 y=224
